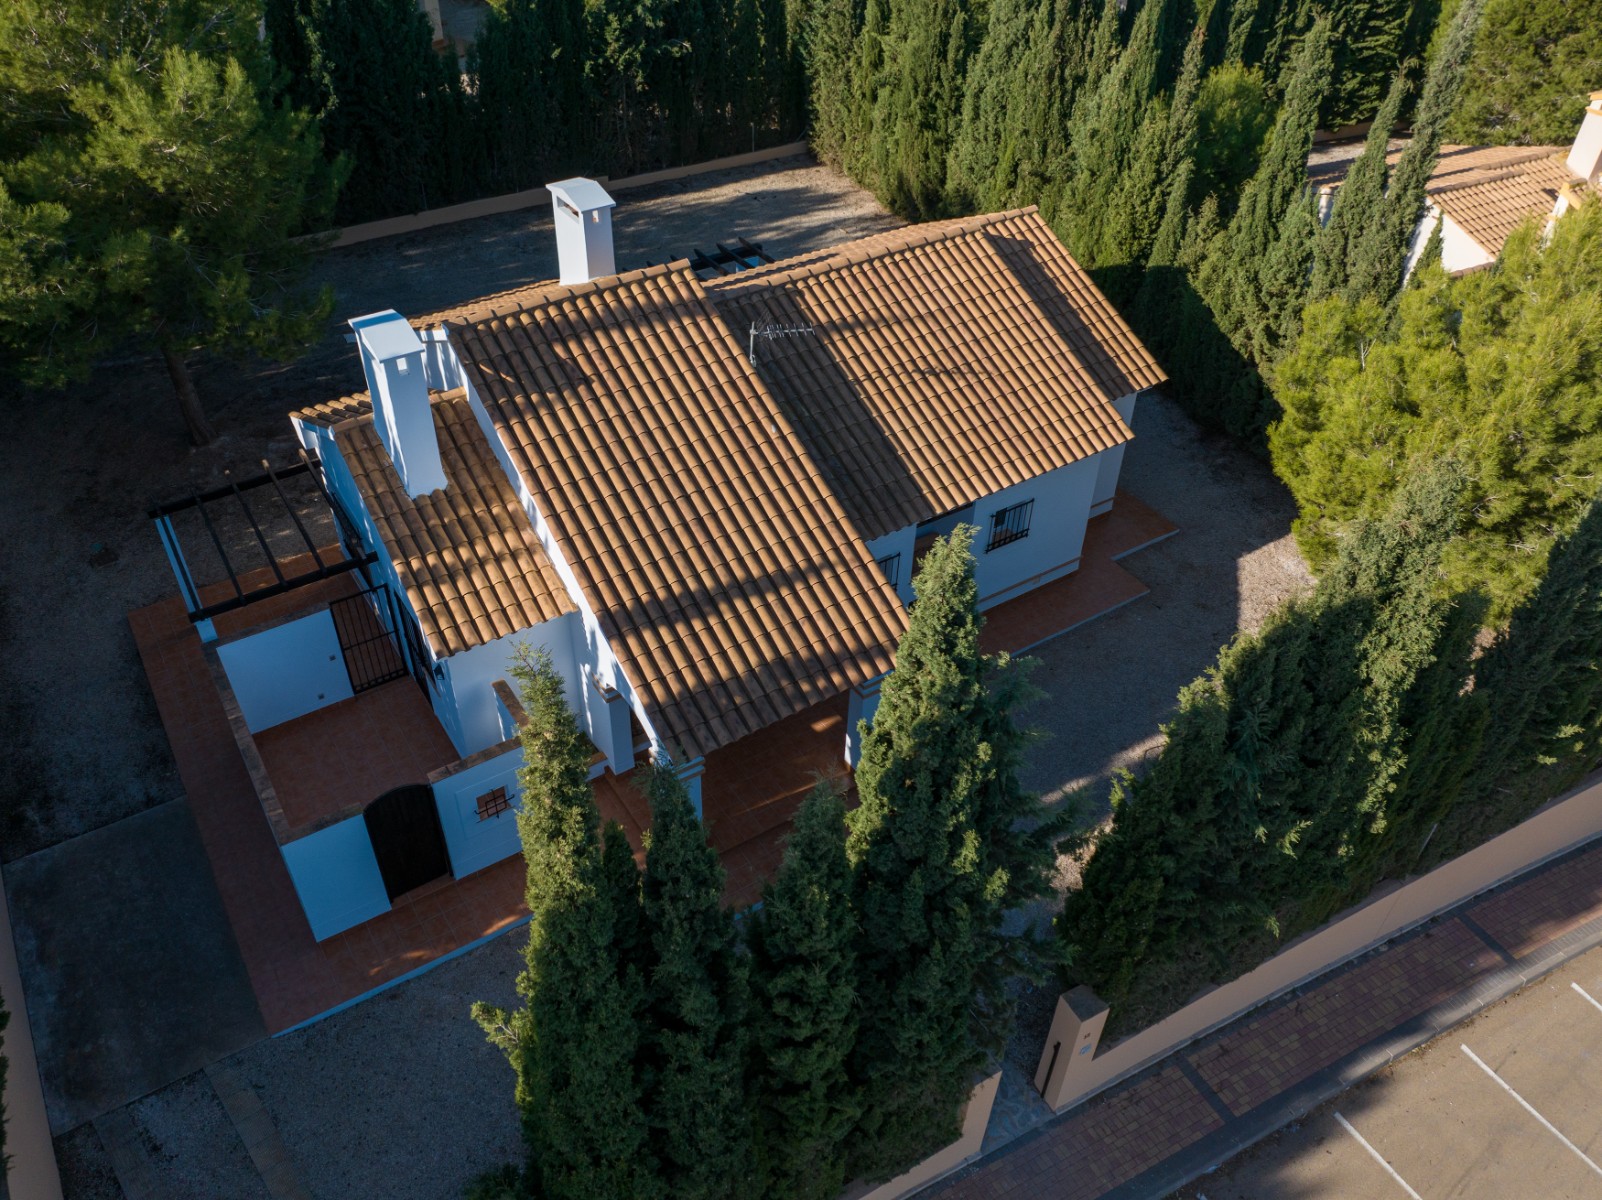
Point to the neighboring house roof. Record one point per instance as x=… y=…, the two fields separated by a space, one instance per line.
x=1489 y=205
x=945 y=362
x=723 y=571
x=467 y=554
x=1452 y=164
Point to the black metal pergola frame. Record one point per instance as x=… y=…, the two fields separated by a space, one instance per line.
x=162 y=515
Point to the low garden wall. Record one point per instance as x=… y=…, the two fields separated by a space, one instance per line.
x=975 y=1118
x=1071 y=1069
x=493 y=205
x=31 y=1174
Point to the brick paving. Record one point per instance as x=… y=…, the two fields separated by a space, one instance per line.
x=1249 y=1071
x=1294 y=1041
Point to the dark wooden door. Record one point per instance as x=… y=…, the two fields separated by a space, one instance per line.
x=407 y=839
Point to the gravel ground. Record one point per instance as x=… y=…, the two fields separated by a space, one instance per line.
x=400 y=1097
x=79 y=469
x=192 y=1144
x=86 y=1172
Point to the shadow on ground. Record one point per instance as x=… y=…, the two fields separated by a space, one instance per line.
x=131 y=971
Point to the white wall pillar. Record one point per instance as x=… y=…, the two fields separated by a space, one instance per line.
x=861 y=706
x=690 y=775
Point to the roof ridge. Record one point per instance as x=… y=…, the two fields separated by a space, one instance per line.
x=557 y=292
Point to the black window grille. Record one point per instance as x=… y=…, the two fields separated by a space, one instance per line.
x=1010 y=524
x=891 y=566
x=493 y=804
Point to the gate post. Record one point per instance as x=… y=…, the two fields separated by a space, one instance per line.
x=1070 y=1045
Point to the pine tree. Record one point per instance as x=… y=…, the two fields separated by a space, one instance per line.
x=1532 y=66
x=1360 y=202
x=919 y=888
x=696 y=1007
x=1379 y=253
x=575 y=1041
x=804 y=991
x=155 y=196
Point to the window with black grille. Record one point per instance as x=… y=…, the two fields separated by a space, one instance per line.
x=891 y=566
x=493 y=804
x=1010 y=524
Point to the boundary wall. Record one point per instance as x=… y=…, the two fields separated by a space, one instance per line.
x=32 y=1174
x=512 y=201
x=1071 y=1070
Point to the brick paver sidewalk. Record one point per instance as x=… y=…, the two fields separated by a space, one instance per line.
x=1203 y=1103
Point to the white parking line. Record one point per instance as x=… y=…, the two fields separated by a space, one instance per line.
x=1595 y=1003
x=1525 y=1104
x=1377 y=1157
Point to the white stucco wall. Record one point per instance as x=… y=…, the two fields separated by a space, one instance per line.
x=336 y=877
x=475 y=844
x=468 y=709
x=901 y=542
x=1459 y=252
x=1110 y=462
x=287 y=671
x=1056 y=532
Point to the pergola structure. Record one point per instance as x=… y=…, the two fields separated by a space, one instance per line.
x=271 y=542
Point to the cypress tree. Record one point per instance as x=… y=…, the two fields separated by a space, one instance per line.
x=1533 y=64
x=988 y=155
x=831 y=60
x=917 y=112
x=915 y=849
x=696 y=1005
x=1541 y=678
x=574 y=1041
x=1360 y=201
x=1102 y=136
x=1378 y=256
x=1367 y=36
x=1166 y=139
x=527 y=62
x=804 y=988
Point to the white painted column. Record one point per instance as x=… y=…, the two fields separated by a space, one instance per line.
x=862 y=705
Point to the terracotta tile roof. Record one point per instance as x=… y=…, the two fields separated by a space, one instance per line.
x=467 y=555
x=946 y=362
x=723 y=571
x=1490 y=205
x=482 y=309
x=332 y=412
x=1452 y=164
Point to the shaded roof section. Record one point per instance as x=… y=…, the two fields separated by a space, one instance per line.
x=722 y=569
x=1490 y=205
x=945 y=362
x=1452 y=164
x=467 y=554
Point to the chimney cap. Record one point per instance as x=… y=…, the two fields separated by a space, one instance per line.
x=387 y=335
x=580 y=194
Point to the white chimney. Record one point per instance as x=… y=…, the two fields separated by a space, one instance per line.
x=1585 y=159
x=392 y=360
x=583 y=213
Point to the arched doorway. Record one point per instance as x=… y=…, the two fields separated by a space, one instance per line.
x=408 y=842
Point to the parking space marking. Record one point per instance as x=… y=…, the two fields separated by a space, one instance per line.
x=1595 y=1003
x=1377 y=1157
x=1525 y=1104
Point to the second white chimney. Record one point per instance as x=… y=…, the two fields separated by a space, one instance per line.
x=583 y=215
x=392 y=360
x=1585 y=159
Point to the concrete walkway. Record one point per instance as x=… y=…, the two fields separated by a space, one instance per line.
x=1205 y=1103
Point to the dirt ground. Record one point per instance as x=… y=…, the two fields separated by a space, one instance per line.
x=78 y=470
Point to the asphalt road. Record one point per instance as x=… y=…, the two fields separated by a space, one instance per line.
x=1506 y=1107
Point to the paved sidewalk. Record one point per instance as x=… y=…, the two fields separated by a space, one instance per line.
x=1205 y=1103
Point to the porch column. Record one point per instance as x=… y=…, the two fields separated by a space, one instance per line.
x=690 y=774
x=861 y=706
x=614 y=734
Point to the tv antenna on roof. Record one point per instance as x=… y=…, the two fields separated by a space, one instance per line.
x=769 y=332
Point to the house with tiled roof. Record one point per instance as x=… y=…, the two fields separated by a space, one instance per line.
x=704 y=499
x=1478 y=195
